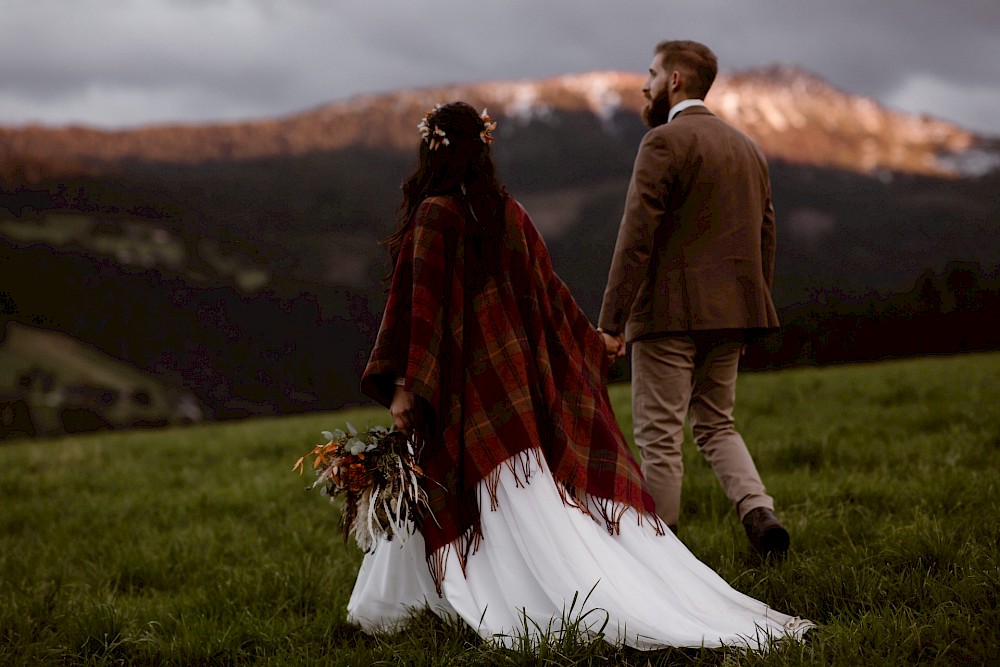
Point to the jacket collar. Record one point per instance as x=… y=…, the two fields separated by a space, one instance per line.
x=681 y=106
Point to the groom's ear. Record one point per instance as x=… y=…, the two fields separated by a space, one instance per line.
x=676 y=81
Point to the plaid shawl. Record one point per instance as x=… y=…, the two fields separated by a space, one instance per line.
x=510 y=371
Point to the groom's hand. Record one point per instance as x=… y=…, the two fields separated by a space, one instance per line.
x=620 y=342
x=614 y=346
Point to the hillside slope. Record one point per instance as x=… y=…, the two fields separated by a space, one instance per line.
x=53 y=383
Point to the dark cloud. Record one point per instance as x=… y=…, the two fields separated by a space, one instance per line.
x=125 y=62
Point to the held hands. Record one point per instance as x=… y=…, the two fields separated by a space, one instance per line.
x=405 y=411
x=614 y=346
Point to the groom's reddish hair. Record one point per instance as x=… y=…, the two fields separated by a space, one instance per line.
x=696 y=59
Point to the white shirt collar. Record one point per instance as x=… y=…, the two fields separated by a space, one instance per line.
x=681 y=106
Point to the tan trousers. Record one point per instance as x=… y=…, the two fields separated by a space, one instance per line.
x=691 y=375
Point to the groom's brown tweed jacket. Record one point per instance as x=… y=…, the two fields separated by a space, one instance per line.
x=695 y=248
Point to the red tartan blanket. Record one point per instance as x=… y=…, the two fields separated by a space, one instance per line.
x=511 y=370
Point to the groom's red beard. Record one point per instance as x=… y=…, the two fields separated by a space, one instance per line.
x=657 y=110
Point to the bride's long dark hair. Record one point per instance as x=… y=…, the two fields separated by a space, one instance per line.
x=463 y=168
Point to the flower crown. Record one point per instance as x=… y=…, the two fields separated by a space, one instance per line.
x=434 y=136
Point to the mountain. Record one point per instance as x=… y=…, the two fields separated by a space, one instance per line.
x=239 y=261
x=792 y=114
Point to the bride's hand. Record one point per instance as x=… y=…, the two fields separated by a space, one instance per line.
x=404 y=410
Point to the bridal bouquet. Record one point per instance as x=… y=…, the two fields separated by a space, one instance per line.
x=377 y=474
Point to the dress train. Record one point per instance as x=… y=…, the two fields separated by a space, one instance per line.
x=538 y=555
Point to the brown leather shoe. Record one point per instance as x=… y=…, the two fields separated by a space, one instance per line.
x=766 y=533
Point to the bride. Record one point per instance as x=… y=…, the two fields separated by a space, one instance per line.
x=538 y=512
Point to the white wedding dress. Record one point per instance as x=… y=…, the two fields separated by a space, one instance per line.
x=537 y=554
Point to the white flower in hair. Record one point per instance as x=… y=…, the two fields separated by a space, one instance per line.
x=432 y=137
x=488 y=126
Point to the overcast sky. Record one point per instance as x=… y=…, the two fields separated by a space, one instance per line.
x=115 y=63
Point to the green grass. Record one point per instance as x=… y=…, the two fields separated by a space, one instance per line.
x=198 y=546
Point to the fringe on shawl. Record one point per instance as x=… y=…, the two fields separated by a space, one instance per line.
x=609 y=511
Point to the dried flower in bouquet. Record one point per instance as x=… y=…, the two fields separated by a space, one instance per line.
x=377 y=474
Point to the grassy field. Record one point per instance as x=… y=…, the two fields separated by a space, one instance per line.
x=198 y=546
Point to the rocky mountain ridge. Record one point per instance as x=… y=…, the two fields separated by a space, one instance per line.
x=794 y=115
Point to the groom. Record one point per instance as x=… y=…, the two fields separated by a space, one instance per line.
x=690 y=279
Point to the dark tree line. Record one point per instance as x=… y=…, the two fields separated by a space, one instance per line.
x=948 y=312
